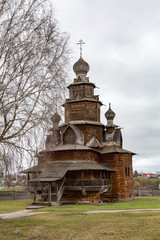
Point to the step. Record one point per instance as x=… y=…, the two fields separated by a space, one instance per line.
x=34 y=207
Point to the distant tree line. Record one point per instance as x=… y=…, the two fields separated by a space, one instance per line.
x=146 y=182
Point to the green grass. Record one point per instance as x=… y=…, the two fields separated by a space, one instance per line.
x=82 y=226
x=138 y=203
x=12 y=206
x=70 y=222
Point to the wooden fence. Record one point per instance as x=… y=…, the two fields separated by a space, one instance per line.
x=147 y=192
x=14 y=195
x=20 y=195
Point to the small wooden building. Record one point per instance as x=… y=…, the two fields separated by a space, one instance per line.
x=84 y=160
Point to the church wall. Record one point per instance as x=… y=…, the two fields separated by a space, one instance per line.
x=121 y=185
x=91 y=130
x=129 y=176
x=68 y=155
x=81 y=90
x=89 y=111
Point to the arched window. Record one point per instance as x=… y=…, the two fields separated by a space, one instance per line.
x=93 y=132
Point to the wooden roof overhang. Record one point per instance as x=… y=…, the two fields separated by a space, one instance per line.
x=68 y=147
x=82 y=100
x=114 y=149
x=81 y=83
x=44 y=179
x=82 y=122
x=53 y=171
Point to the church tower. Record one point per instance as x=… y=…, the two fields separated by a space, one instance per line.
x=82 y=108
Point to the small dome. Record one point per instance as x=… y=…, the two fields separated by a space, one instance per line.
x=56 y=117
x=81 y=66
x=110 y=115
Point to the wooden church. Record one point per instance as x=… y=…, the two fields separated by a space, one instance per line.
x=84 y=160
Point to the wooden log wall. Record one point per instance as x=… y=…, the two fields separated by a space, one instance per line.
x=68 y=155
x=122 y=187
x=82 y=110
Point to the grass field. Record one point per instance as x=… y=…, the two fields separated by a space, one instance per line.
x=70 y=222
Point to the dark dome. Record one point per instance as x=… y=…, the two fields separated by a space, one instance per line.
x=56 y=117
x=110 y=115
x=81 y=66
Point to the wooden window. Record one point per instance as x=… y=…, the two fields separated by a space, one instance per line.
x=91 y=92
x=127 y=171
x=91 y=113
x=93 y=132
x=73 y=92
x=67 y=113
x=84 y=94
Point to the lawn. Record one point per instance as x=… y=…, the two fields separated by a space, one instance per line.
x=12 y=206
x=70 y=222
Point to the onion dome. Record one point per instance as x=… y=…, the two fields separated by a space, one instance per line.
x=56 y=118
x=81 y=67
x=110 y=115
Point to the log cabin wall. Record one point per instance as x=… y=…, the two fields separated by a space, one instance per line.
x=129 y=176
x=68 y=155
x=91 y=130
x=121 y=182
x=81 y=89
x=82 y=110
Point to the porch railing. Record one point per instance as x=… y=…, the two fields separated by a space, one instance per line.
x=88 y=182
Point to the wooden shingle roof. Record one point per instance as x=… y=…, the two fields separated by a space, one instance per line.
x=114 y=149
x=52 y=171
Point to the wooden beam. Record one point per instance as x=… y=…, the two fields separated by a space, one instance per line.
x=34 y=196
x=49 y=192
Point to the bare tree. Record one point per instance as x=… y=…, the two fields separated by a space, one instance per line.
x=33 y=58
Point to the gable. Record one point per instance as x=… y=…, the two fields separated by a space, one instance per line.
x=72 y=135
x=69 y=137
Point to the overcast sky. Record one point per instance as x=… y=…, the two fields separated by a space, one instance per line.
x=123 y=50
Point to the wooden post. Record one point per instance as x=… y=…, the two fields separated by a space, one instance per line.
x=57 y=190
x=34 y=196
x=14 y=195
x=82 y=177
x=100 y=175
x=49 y=192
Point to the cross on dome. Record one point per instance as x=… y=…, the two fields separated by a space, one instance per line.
x=80 y=47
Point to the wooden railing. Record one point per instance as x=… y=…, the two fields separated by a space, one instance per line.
x=88 y=182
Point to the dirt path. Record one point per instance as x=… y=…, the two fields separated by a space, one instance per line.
x=128 y=210
x=19 y=214
x=27 y=213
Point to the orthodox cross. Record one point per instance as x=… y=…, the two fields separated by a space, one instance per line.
x=80 y=47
